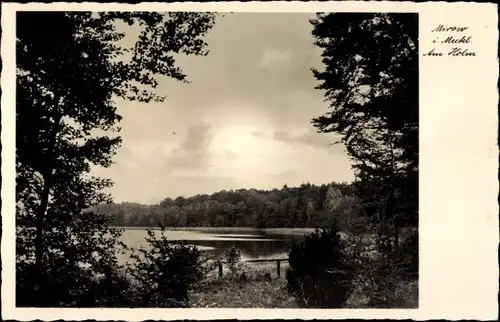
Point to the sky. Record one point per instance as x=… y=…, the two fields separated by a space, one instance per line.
x=242 y=122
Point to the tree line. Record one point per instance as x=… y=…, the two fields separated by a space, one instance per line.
x=308 y=205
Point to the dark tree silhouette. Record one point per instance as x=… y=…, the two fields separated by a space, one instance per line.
x=319 y=276
x=371 y=82
x=70 y=66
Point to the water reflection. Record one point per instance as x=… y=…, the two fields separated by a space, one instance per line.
x=253 y=244
x=250 y=249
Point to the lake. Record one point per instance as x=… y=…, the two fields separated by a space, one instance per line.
x=213 y=241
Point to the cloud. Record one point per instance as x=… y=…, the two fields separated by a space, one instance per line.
x=313 y=139
x=230 y=155
x=136 y=154
x=257 y=74
x=273 y=58
x=190 y=184
x=241 y=45
x=193 y=152
x=284 y=176
x=309 y=138
x=260 y=134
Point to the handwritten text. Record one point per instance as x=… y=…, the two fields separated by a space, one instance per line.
x=449 y=40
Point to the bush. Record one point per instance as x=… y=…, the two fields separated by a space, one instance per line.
x=233 y=260
x=54 y=288
x=387 y=278
x=408 y=255
x=72 y=287
x=112 y=290
x=388 y=286
x=319 y=275
x=166 y=271
x=79 y=261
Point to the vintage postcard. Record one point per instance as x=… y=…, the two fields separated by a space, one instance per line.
x=272 y=160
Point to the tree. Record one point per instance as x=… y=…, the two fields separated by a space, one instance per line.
x=166 y=271
x=232 y=257
x=371 y=82
x=333 y=199
x=70 y=68
x=310 y=206
x=319 y=275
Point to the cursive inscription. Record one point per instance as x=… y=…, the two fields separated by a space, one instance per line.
x=456 y=40
x=450 y=40
x=446 y=28
x=463 y=52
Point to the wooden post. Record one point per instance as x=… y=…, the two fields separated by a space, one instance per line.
x=220 y=269
x=278 y=267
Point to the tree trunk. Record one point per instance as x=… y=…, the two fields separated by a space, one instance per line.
x=39 y=221
x=44 y=200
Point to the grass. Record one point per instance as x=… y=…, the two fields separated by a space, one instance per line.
x=249 y=294
x=404 y=296
x=252 y=270
x=264 y=289
x=261 y=289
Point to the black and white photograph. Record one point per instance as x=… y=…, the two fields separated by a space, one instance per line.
x=177 y=159
x=263 y=160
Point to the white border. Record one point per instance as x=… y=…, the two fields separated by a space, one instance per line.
x=458 y=168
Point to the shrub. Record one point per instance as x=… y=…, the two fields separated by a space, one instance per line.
x=387 y=277
x=166 y=271
x=112 y=290
x=408 y=254
x=319 y=275
x=73 y=287
x=233 y=260
x=78 y=263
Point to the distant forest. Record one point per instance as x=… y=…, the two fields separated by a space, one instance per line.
x=304 y=206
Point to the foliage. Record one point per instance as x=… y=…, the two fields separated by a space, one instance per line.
x=66 y=88
x=80 y=255
x=165 y=271
x=344 y=210
x=406 y=255
x=319 y=275
x=233 y=259
x=304 y=206
x=371 y=82
x=384 y=280
x=248 y=294
x=110 y=290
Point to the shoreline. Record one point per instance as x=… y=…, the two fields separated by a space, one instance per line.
x=277 y=230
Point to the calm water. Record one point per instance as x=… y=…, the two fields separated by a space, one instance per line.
x=252 y=243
